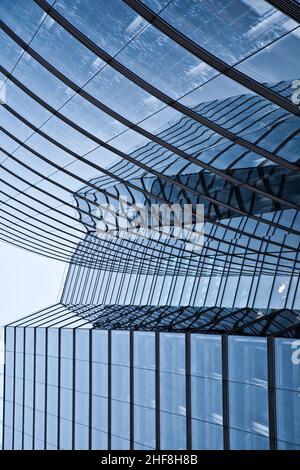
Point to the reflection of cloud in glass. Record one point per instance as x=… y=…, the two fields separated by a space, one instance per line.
x=136 y=24
x=198 y=69
x=282 y=287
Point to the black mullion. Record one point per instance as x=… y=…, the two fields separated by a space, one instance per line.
x=24 y=375
x=4 y=391
x=157 y=389
x=90 y=389
x=131 y=369
x=225 y=392
x=34 y=386
x=58 y=387
x=73 y=388
x=271 y=392
x=14 y=392
x=188 y=391
x=46 y=387
x=109 y=390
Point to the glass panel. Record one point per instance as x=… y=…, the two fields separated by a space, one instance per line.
x=109 y=24
x=207 y=400
x=206 y=358
x=120 y=424
x=65 y=434
x=172 y=393
x=23 y=17
x=247 y=358
x=240 y=440
x=144 y=387
x=82 y=345
x=276 y=63
x=287 y=356
x=177 y=75
x=82 y=408
x=144 y=350
x=100 y=379
x=172 y=352
x=172 y=431
x=237 y=31
x=144 y=427
x=99 y=413
x=206 y=436
x=248 y=392
x=288 y=416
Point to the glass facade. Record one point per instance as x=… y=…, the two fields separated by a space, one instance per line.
x=156 y=342
x=114 y=389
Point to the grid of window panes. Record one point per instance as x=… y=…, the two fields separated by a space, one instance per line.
x=83 y=388
x=94 y=85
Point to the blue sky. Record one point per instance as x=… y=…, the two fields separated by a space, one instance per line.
x=28 y=282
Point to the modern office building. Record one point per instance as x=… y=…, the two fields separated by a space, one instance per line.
x=184 y=341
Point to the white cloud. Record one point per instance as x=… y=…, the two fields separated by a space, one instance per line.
x=97 y=63
x=150 y=101
x=136 y=24
x=198 y=69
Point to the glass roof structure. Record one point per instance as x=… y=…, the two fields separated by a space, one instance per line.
x=105 y=95
x=154 y=103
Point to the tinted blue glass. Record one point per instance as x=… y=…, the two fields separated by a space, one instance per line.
x=40 y=369
x=287 y=356
x=23 y=17
x=28 y=399
x=120 y=423
x=100 y=379
x=52 y=399
x=246 y=441
x=288 y=416
x=66 y=375
x=82 y=376
x=99 y=413
x=206 y=356
x=248 y=393
x=120 y=348
x=66 y=403
x=206 y=436
x=144 y=387
x=144 y=427
x=247 y=360
x=81 y=437
x=99 y=440
x=17 y=440
x=82 y=344
x=40 y=396
x=52 y=370
x=172 y=431
x=51 y=431
x=8 y=438
x=82 y=408
x=40 y=344
x=28 y=425
x=65 y=434
x=172 y=393
x=207 y=399
x=120 y=382
x=19 y=339
x=144 y=350
x=248 y=408
x=9 y=339
x=238 y=30
x=39 y=430
x=172 y=352
x=52 y=336
x=115 y=25
x=66 y=343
